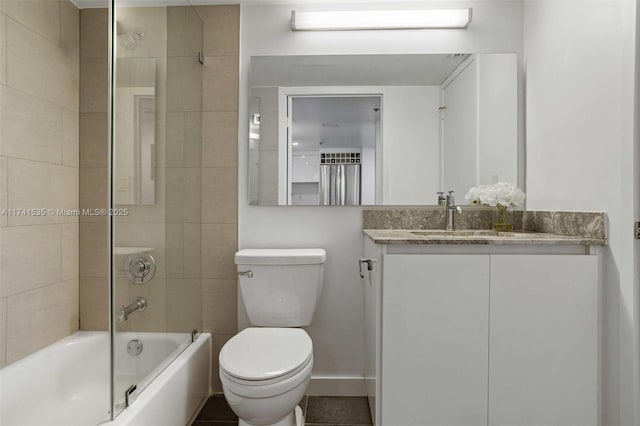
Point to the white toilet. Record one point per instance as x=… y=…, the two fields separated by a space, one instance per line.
x=265 y=369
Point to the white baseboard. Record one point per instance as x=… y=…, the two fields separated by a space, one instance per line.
x=336 y=386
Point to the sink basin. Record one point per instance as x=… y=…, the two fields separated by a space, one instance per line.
x=468 y=233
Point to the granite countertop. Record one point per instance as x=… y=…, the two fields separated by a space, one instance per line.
x=435 y=236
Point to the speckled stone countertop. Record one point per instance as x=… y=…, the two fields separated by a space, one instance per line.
x=426 y=226
x=406 y=236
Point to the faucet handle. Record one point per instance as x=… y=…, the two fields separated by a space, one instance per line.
x=451 y=191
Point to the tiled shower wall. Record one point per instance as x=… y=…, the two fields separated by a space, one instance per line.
x=94 y=130
x=39 y=86
x=171 y=224
x=219 y=175
x=217 y=156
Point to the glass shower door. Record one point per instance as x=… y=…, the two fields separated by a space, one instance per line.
x=155 y=191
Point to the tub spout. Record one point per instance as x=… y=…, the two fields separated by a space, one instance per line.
x=139 y=305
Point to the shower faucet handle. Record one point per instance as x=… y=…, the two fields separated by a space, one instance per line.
x=140 y=268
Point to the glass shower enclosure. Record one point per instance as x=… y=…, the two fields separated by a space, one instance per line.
x=154 y=196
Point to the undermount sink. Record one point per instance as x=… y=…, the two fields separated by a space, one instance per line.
x=468 y=233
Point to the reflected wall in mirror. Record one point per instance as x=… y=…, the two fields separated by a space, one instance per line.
x=380 y=129
x=135 y=135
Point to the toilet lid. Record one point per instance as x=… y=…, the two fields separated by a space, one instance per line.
x=265 y=353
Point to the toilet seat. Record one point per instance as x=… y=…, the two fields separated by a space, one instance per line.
x=266 y=388
x=261 y=362
x=265 y=353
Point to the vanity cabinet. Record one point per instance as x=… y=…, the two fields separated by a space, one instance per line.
x=478 y=336
x=543 y=340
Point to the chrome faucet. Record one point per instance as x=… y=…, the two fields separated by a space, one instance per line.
x=139 y=305
x=450 y=211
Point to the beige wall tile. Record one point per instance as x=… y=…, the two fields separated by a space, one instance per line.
x=94 y=139
x=175 y=139
x=154 y=317
x=176 y=23
x=218 y=341
x=184 y=305
x=3 y=189
x=94 y=246
x=3 y=49
x=29 y=258
x=31 y=128
x=220 y=195
x=154 y=22
x=147 y=213
x=94 y=33
x=219 y=245
x=220 y=83
x=56 y=80
x=70 y=138
x=183 y=195
x=69 y=247
x=94 y=85
x=152 y=235
x=41 y=16
x=221 y=29
x=93 y=191
x=35 y=185
x=184 y=84
x=192 y=139
x=184 y=139
x=70 y=33
x=219 y=308
x=192 y=250
x=184 y=32
x=219 y=139
x=37 y=318
x=94 y=303
x=123 y=296
x=3 y=332
x=175 y=250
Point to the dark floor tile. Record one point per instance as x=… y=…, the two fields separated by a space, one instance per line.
x=303 y=405
x=216 y=408
x=338 y=410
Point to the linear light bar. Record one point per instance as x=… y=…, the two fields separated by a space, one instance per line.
x=380 y=19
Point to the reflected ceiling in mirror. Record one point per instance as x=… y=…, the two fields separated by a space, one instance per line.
x=380 y=129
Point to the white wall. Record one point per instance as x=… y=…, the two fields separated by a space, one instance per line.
x=497 y=118
x=338 y=325
x=581 y=156
x=410 y=145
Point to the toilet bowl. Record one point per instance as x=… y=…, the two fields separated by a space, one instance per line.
x=264 y=374
x=265 y=369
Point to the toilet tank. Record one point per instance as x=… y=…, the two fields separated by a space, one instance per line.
x=280 y=287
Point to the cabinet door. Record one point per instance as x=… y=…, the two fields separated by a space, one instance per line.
x=435 y=327
x=543 y=365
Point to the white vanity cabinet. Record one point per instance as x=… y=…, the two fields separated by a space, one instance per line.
x=478 y=336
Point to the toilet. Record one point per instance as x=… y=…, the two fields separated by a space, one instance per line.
x=265 y=369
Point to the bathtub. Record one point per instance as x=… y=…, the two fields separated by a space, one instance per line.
x=68 y=382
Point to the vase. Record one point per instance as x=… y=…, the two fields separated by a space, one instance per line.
x=503 y=218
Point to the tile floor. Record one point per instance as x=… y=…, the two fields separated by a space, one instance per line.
x=318 y=411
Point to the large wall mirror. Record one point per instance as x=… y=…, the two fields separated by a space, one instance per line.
x=380 y=129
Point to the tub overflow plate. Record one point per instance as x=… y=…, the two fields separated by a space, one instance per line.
x=134 y=347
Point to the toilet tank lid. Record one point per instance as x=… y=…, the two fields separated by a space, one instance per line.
x=281 y=256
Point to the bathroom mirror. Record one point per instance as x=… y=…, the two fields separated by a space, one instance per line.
x=380 y=129
x=135 y=135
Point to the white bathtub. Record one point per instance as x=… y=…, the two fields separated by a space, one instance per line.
x=68 y=382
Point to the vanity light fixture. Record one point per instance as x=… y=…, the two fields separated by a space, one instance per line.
x=380 y=19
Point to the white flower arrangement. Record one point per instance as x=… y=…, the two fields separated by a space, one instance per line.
x=501 y=194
